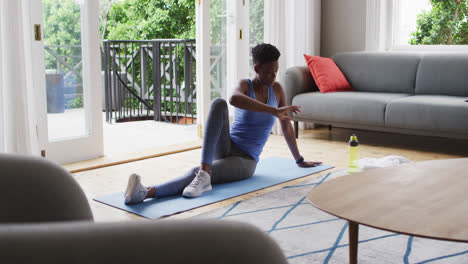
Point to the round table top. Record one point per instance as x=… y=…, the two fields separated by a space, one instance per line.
x=425 y=199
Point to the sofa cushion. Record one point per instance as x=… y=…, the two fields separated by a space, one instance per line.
x=387 y=72
x=346 y=107
x=429 y=112
x=443 y=74
x=326 y=74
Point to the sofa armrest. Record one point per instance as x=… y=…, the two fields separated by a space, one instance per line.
x=164 y=241
x=35 y=190
x=298 y=80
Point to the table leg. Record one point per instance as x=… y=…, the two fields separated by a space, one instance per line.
x=353 y=228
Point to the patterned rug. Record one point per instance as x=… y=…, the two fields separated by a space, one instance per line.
x=308 y=235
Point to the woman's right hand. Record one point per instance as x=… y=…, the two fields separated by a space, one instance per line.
x=283 y=112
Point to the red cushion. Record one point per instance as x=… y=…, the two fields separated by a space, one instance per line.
x=327 y=75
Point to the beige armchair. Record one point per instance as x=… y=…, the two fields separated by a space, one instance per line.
x=45 y=218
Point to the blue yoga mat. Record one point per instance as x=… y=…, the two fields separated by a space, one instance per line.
x=269 y=172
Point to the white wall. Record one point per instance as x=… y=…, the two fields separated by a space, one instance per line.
x=343 y=26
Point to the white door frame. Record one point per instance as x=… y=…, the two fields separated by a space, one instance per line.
x=202 y=26
x=91 y=145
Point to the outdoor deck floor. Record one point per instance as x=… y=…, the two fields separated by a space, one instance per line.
x=126 y=137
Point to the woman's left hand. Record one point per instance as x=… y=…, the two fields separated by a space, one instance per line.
x=307 y=164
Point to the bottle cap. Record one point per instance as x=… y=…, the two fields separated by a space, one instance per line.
x=353 y=142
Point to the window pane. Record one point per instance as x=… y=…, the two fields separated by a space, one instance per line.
x=256 y=32
x=218 y=54
x=64 y=79
x=425 y=22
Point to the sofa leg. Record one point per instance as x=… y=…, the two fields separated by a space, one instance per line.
x=329 y=127
x=296 y=128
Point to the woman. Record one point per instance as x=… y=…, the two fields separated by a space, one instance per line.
x=232 y=154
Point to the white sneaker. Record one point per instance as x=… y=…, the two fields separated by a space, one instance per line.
x=135 y=192
x=201 y=183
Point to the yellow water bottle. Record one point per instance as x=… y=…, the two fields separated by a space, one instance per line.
x=353 y=165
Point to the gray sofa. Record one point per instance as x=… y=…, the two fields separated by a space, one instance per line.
x=45 y=218
x=402 y=92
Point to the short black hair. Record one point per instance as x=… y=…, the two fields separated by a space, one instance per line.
x=264 y=53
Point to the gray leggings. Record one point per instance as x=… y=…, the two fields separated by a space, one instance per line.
x=228 y=162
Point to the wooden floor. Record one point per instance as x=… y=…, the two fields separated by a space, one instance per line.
x=319 y=144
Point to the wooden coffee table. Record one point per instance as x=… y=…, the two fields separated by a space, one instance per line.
x=425 y=199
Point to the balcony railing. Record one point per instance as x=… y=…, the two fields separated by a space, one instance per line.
x=63 y=77
x=150 y=79
x=129 y=72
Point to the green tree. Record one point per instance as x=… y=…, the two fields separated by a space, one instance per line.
x=146 y=20
x=446 y=23
x=150 y=19
x=218 y=20
x=256 y=21
x=104 y=8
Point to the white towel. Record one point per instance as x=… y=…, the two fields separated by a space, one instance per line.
x=388 y=161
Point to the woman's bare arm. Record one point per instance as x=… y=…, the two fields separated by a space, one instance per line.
x=289 y=135
x=240 y=99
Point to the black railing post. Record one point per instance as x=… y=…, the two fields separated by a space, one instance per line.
x=187 y=79
x=192 y=83
x=176 y=82
x=143 y=68
x=156 y=80
x=171 y=82
x=120 y=92
x=115 y=94
x=107 y=82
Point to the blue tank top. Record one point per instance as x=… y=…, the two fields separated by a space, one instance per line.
x=250 y=130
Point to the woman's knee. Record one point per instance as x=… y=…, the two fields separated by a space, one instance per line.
x=218 y=104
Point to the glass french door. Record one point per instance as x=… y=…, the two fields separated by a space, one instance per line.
x=231 y=17
x=224 y=38
x=68 y=78
x=218 y=49
x=256 y=27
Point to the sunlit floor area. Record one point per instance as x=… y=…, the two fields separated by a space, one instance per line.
x=126 y=141
x=122 y=138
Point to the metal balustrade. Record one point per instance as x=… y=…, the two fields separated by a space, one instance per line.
x=150 y=79
x=129 y=72
x=63 y=77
